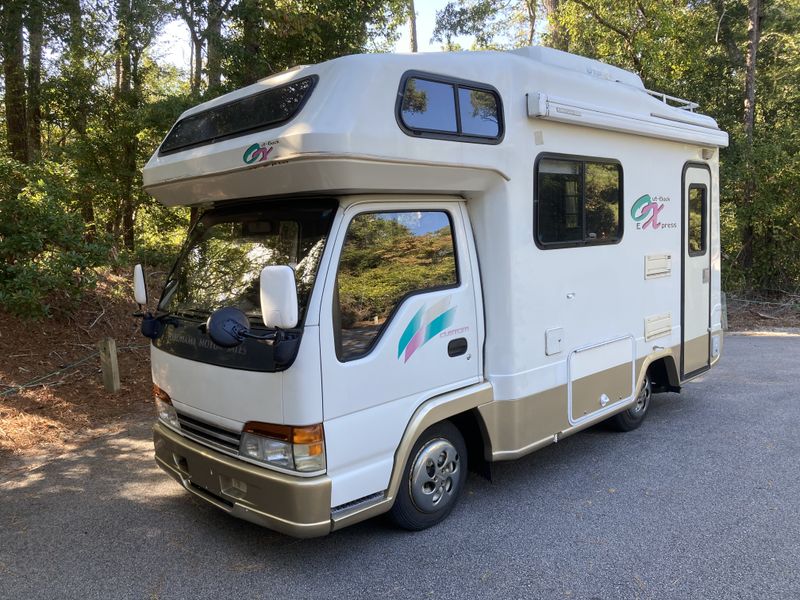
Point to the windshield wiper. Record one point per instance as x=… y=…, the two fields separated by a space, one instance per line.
x=192 y=313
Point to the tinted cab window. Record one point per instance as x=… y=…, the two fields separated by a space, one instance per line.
x=386 y=257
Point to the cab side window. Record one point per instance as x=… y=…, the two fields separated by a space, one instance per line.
x=386 y=257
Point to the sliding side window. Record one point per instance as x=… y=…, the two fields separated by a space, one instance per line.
x=449 y=109
x=578 y=202
x=386 y=257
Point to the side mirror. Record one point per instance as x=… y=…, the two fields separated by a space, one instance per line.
x=139 y=286
x=279 y=297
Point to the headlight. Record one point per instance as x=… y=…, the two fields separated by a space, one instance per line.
x=164 y=409
x=296 y=448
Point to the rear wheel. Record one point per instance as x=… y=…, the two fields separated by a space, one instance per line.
x=433 y=478
x=630 y=419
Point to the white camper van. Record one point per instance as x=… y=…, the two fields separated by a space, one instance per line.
x=411 y=264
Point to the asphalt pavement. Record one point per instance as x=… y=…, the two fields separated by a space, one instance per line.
x=703 y=501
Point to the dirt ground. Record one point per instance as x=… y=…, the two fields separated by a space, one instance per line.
x=763 y=314
x=62 y=402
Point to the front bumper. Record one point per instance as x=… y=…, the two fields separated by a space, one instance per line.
x=296 y=506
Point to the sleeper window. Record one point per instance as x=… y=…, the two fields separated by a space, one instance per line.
x=697 y=221
x=578 y=202
x=387 y=256
x=449 y=109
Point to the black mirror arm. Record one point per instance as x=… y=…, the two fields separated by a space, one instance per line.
x=273 y=337
x=153 y=325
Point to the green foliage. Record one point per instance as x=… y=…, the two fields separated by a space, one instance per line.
x=267 y=36
x=107 y=101
x=45 y=258
x=493 y=24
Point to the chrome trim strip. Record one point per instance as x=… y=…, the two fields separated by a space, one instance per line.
x=192 y=424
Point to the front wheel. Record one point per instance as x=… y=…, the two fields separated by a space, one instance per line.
x=630 y=419
x=433 y=478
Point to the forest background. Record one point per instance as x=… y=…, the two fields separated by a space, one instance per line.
x=86 y=100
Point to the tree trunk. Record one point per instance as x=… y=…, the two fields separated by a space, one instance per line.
x=412 y=17
x=250 y=42
x=748 y=230
x=77 y=70
x=127 y=164
x=194 y=216
x=213 y=43
x=14 y=73
x=35 y=42
x=530 y=7
x=753 y=36
x=559 y=38
x=197 y=77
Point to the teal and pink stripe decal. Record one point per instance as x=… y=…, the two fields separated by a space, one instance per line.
x=424 y=326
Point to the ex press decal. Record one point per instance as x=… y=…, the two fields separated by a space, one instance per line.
x=425 y=325
x=646 y=211
x=258 y=152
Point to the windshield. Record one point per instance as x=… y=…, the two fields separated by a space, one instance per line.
x=223 y=259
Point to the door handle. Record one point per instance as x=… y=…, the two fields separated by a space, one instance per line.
x=706 y=275
x=457 y=347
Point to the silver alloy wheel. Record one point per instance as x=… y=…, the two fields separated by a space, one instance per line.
x=434 y=476
x=643 y=399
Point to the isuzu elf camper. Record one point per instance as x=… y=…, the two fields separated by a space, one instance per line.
x=408 y=264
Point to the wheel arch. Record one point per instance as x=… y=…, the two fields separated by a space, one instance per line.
x=460 y=407
x=663 y=371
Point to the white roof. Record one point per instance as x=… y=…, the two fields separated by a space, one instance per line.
x=350 y=116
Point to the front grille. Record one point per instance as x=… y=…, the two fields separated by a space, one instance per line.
x=210 y=434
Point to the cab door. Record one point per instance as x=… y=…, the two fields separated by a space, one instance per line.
x=696 y=271
x=399 y=324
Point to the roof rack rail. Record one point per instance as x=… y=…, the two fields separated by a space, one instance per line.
x=678 y=102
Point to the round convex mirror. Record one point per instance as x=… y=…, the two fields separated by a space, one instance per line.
x=228 y=326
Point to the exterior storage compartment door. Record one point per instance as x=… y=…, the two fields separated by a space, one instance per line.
x=601 y=377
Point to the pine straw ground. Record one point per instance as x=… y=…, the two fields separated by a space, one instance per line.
x=70 y=404
x=61 y=403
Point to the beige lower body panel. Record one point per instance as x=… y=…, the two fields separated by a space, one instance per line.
x=518 y=427
x=297 y=506
x=614 y=383
x=696 y=353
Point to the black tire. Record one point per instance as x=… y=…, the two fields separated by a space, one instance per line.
x=631 y=419
x=416 y=506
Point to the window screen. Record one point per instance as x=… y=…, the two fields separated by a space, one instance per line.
x=264 y=110
x=578 y=202
x=697 y=221
x=385 y=257
x=450 y=110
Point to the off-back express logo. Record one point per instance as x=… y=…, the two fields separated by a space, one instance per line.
x=259 y=152
x=646 y=211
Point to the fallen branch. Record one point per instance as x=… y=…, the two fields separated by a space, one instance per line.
x=98 y=318
x=763 y=316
